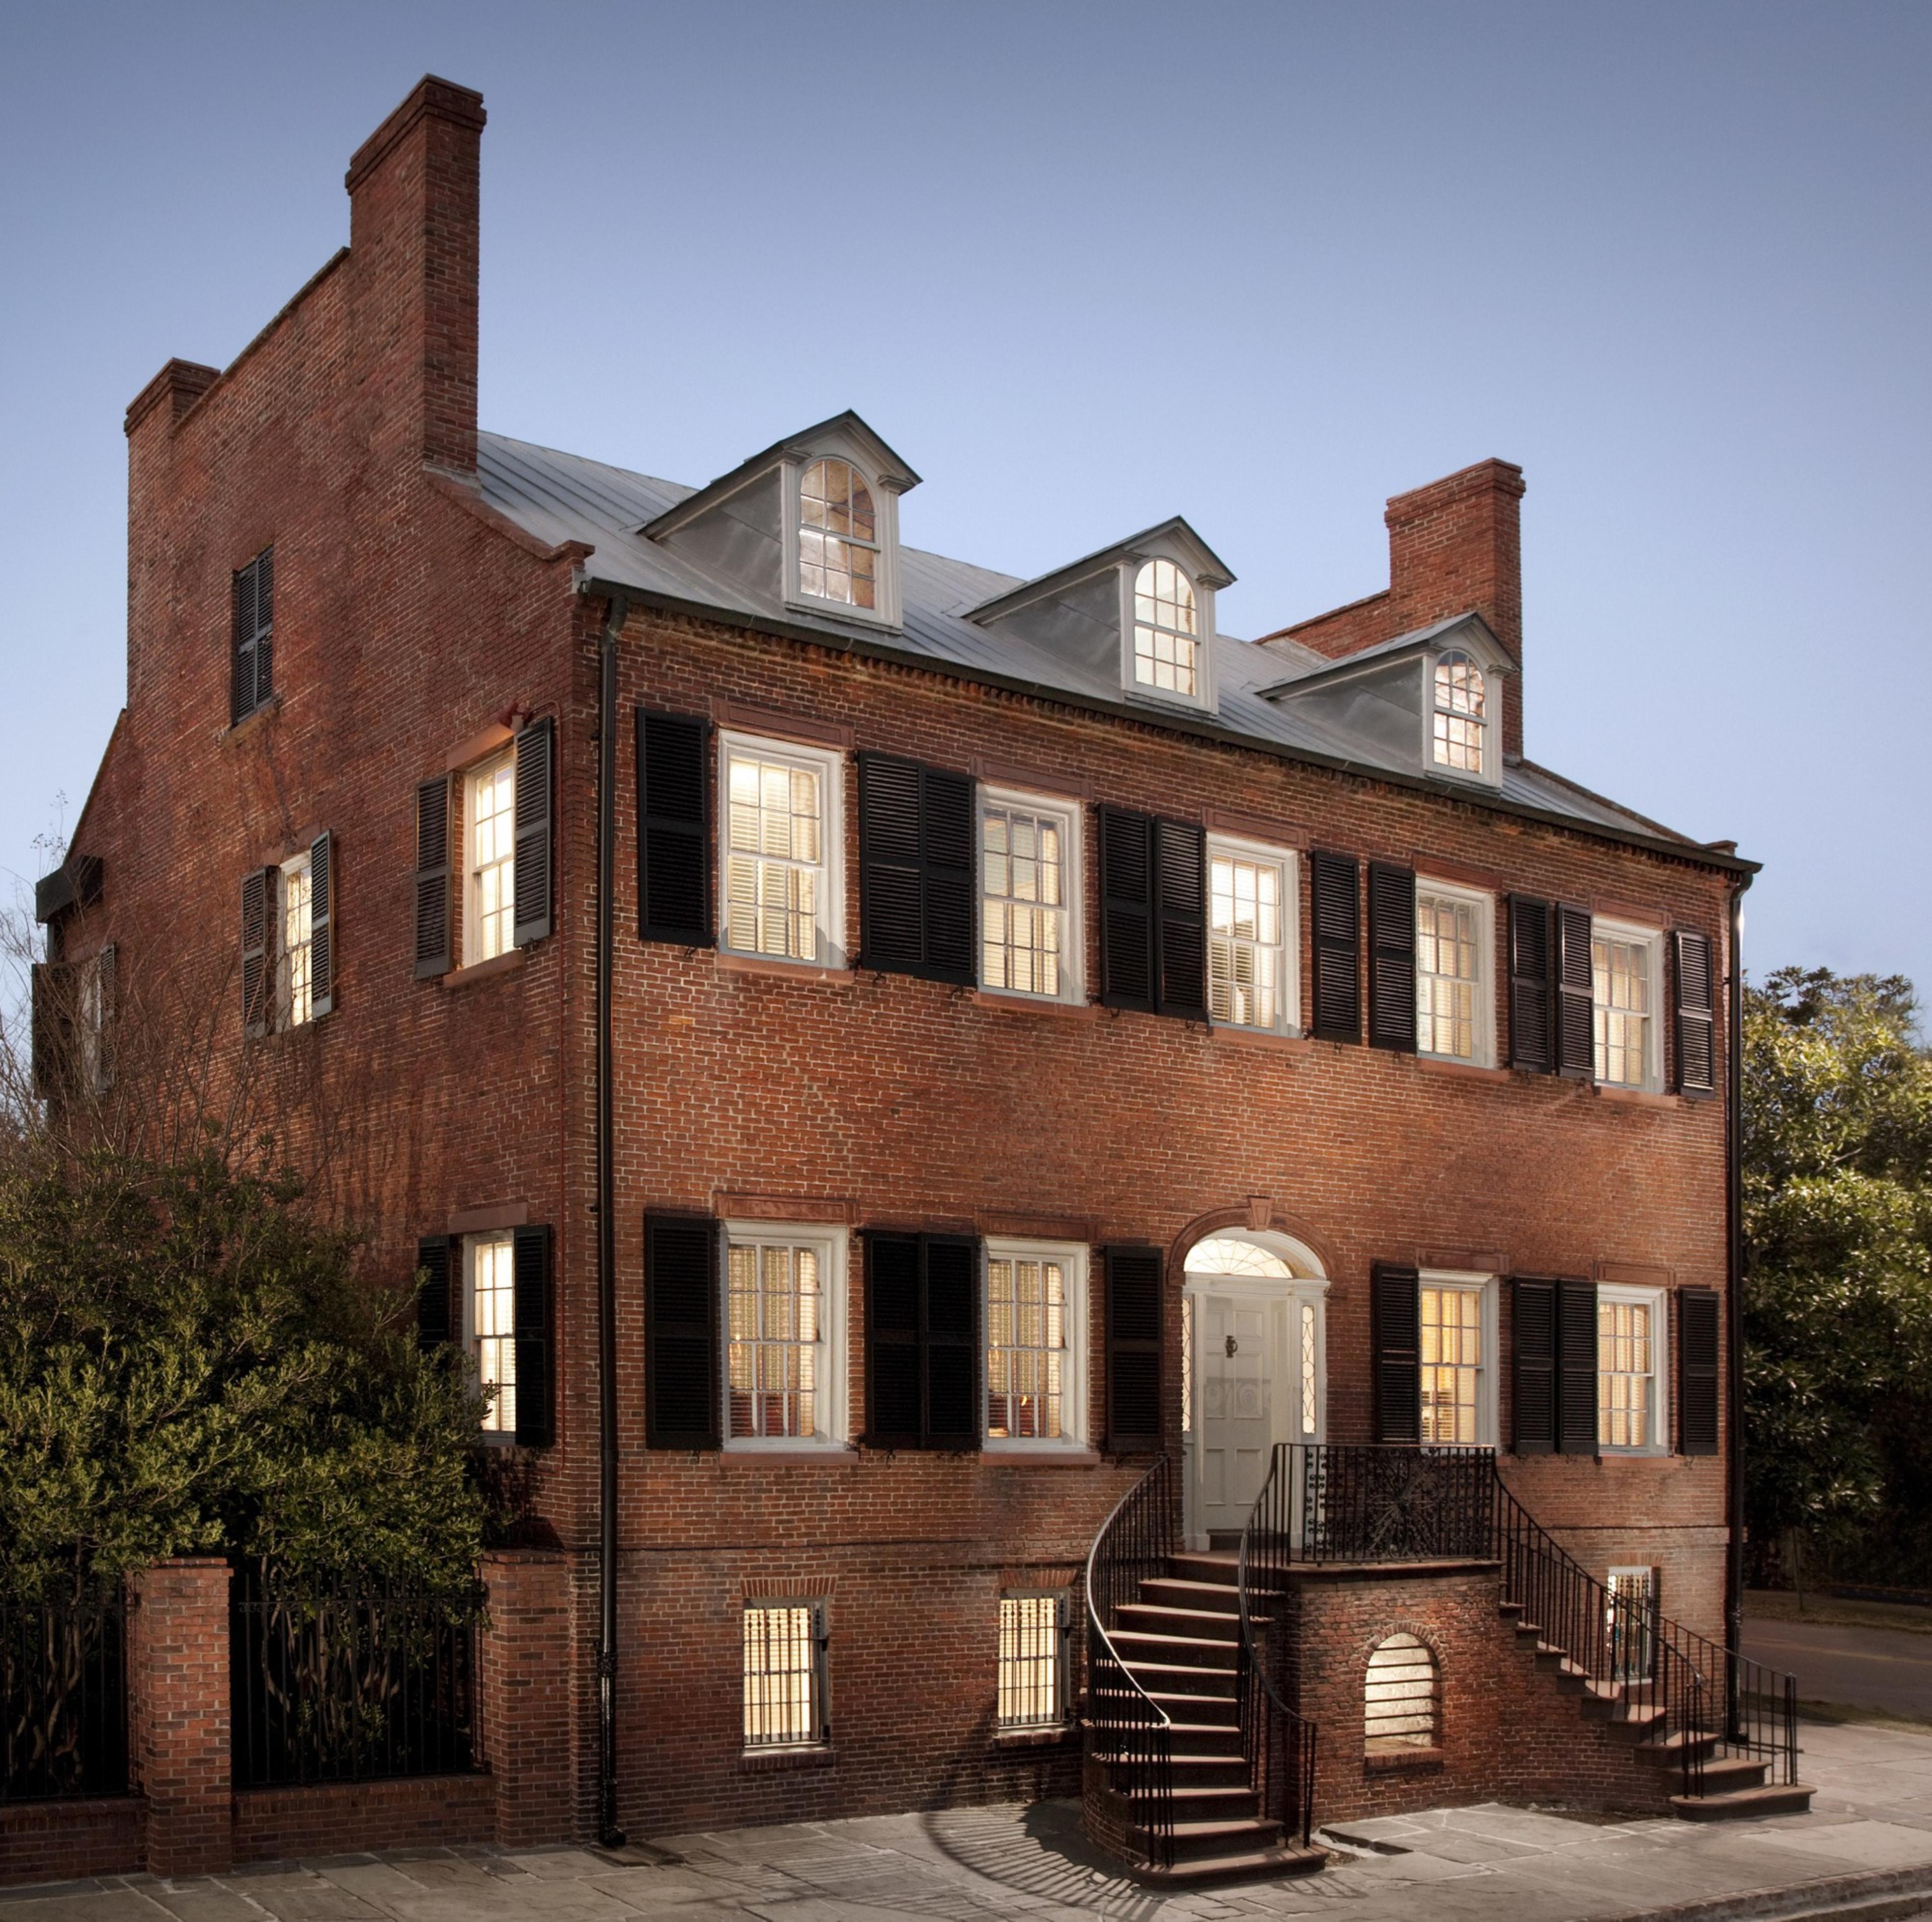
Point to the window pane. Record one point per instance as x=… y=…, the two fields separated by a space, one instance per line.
x=837 y=535
x=1452 y=1364
x=492 y=858
x=1626 y=1370
x=493 y=1306
x=774 y=1316
x=1245 y=963
x=1620 y=1010
x=1447 y=977
x=1022 y=923
x=298 y=932
x=1030 y=1693
x=1457 y=727
x=1026 y=1348
x=1165 y=642
x=774 y=863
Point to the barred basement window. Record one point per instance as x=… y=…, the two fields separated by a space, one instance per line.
x=1632 y=1610
x=1400 y=1707
x=784 y=1675
x=1033 y=1666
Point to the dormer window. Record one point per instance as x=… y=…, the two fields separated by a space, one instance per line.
x=1167 y=637
x=837 y=535
x=1459 y=715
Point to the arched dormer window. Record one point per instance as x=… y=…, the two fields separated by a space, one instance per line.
x=1459 y=716
x=1401 y=1707
x=837 y=535
x=1167 y=637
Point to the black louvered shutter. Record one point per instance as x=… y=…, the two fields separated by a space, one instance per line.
x=433 y=955
x=251 y=658
x=52 y=1015
x=893 y=1368
x=674 y=829
x=952 y=1264
x=1576 y=1368
x=681 y=1288
x=107 y=989
x=1133 y=1318
x=535 y=753
x=1391 y=957
x=1396 y=1334
x=1697 y=1014
x=1697 y=1370
x=436 y=1299
x=1576 y=1034
x=534 y=1328
x=891 y=916
x=1336 y=942
x=321 y=925
x=1531 y=958
x=1127 y=976
x=1180 y=870
x=1533 y=1369
x=258 y=982
x=948 y=861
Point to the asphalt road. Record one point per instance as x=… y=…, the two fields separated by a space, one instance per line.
x=1862 y=1667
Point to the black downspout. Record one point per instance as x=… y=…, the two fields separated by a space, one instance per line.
x=608 y=1832
x=1734 y=1281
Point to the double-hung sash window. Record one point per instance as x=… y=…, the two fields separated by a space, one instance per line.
x=1036 y=1327
x=490 y=826
x=1167 y=635
x=785 y=1645
x=779 y=850
x=1032 y=1660
x=1459 y=715
x=1454 y=1012
x=1029 y=897
x=296 y=981
x=1251 y=978
x=1624 y=974
x=491 y=1327
x=1632 y=1330
x=784 y=1374
x=1457 y=1322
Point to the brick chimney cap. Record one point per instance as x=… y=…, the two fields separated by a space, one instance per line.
x=430 y=98
x=1502 y=477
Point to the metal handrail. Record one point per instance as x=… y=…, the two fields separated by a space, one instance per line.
x=1137 y=1537
x=1291 y=1782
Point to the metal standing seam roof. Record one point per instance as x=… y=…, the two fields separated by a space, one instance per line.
x=556 y=497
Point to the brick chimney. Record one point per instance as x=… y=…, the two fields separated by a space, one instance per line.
x=1455 y=546
x=413 y=247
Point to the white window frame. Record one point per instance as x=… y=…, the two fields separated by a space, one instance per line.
x=820 y=1703
x=1205 y=699
x=886 y=537
x=497 y=1237
x=1658 y=1302
x=1651 y=940
x=1287 y=1013
x=472 y=919
x=1062 y=1599
x=1074 y=1259
x=829 y=764
x=1483 y=1034
x=1490 y=774
x=833 y=1408
x=285 y=1011
x=1484 y=1287
x=91 y=1016
x=1068 y=816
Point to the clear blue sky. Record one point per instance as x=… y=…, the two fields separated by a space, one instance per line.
x=1086 y=266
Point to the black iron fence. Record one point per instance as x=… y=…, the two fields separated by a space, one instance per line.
x=344 y=1680
x=1278 y=1741
x=1126 y=1730
x=63 y=1697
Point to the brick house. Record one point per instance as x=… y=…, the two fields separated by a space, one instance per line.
x=963 y=1050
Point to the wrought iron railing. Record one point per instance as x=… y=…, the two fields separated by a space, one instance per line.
x=1345 y=1504
x=63 y=1697
x=346 y=1680
x=1129 y=1742
x=1278 y=1742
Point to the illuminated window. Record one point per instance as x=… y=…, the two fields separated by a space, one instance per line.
x=1458 y=718
x=1452 y=1013
x=1035 y=1298
x=780 y=851
x=1400 y=1708
x=784 y=1675
x=1629 y=1338
x=1247 y=916
x=1187 y=1364
x=785 y=1320
x=1033 y=1666
x=1452 y=1364
x=837 y=535
x=1631 y=1610
x=1166 y=639
x=1229 y=1254
x=1028 y=867
x=491 y=826
x=1623 y=970
x=1311 y=1375
x=493 y=1305
x=296 y=982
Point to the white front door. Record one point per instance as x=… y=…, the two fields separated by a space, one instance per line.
x=1236 y=1337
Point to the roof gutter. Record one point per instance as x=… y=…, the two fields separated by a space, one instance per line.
x=608 y=1832
x=594 y=587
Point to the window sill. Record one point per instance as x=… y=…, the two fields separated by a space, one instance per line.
x=1637 y=1097
x=728 y=963
x=1609 y=1454
x=1403 y=1761
x=790 y=1454
x=1036 y=1004
x=1438 y=1064
x=765 y=1761
x=1255 y=1037
x=236 y=730
x=1057 y=1736
x=1038 y=1455
x=503 y=963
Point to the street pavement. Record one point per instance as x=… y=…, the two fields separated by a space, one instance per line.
x=1869 y=1834
x=1886 y=1669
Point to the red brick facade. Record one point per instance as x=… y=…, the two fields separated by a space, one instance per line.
x=413 y=621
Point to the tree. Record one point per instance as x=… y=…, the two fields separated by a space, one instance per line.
x=1838 y=1219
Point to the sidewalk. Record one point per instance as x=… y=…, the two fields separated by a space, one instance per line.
x=1869 y=1836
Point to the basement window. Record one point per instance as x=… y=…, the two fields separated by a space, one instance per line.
x=785 y=1644
x=1401 y=1705
x=1032 y=1660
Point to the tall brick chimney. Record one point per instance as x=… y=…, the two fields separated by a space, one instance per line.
x=413 y=246
x=1454 y=546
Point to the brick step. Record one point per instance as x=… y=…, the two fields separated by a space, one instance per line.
x=1198 y=1770
x=1284 y=1858
x=1137 y=1646
x=1161 y=1679
x=1780 y=1799
x=1218 y=1569
x=1208 y=1803
x=1202 y=1624
x=1197 y=1711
